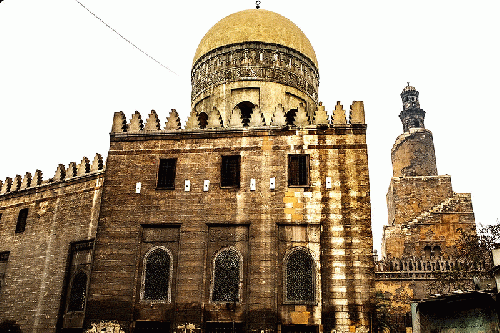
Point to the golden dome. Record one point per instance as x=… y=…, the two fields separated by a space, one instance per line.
x=256 y=25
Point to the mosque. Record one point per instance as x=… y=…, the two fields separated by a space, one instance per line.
x=253 y=217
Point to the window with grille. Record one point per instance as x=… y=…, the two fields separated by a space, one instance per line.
x=298 y=170
x=166 y=173
x=21 y=220
x=4 y=258
x=226 y=278
x=77 y=293
x=157 y=275
x=299 y=277
x=230 y=171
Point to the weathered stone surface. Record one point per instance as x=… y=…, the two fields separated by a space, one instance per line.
x=59 y=214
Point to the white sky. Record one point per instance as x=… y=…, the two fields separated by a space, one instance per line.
x=63 y=73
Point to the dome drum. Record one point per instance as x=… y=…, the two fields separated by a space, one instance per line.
x=255 y=61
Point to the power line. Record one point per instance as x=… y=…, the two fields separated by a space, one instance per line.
x=128 y=41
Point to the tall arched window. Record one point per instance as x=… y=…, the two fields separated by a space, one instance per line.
x=299 y=276
x=77 y=293
x=21 y=220
x=157 y=272
x=227 y=276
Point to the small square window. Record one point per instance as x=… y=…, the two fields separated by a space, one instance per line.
x=230 y=171
x=298 y=170
x=166 y=173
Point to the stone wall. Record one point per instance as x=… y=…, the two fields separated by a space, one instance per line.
x=332 y=222
x=413 y=154
x=424 y=211
x=61 y=210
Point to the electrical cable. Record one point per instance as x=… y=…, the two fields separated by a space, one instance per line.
x=128 y=41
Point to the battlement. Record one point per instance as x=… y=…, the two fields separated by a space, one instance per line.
x=62 y=174
x=417 y=268
x=297 y=118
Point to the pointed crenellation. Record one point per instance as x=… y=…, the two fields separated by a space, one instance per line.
x=16 y=183
x=26 y=183
x=71 y=170
x=6 y=186
x=192 y=123
x=173 y=122
x=279 y=118
x=257 y=118
x=60 y=173
x=235 y=120
x=301 y=117
x=339 y=115
x=37 y=178
x=136 y=124
x=357 y=113
x=214 y=119
x=152 y=123
x=119 y=123
x=320 y=115
x=83 y=167
x=97 y=164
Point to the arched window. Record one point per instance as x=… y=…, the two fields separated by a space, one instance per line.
x=246 y=109
x=77 y=293
x=436 y=251
x=427 y=251
x=21 y=220
x=157 y=272
x=203 y=120
x=290 y=116
x=227 y=276
x=299 y=276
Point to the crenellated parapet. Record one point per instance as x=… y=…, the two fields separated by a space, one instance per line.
x=73 y=171
x=242 y=119
x=418 y=268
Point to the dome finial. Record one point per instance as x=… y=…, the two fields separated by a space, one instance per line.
x=257 y=4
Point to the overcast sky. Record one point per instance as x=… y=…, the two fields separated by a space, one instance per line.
x=63 y=73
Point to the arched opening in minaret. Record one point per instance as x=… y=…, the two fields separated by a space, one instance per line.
x=290 y=116
x=427 y=252
x=436 y=251
x=203 y=120
x=246 y=109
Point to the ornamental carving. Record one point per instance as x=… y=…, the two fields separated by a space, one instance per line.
x=255 y=61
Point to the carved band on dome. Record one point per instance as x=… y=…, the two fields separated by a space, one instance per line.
x=255 y=61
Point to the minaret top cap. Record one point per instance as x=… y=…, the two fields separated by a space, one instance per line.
x=408 y=88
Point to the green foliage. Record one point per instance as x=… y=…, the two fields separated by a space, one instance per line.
x=387 y=318
x=474 y=261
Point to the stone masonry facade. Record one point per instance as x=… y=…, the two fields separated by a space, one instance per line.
x=252 y=217
x=61 y=211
